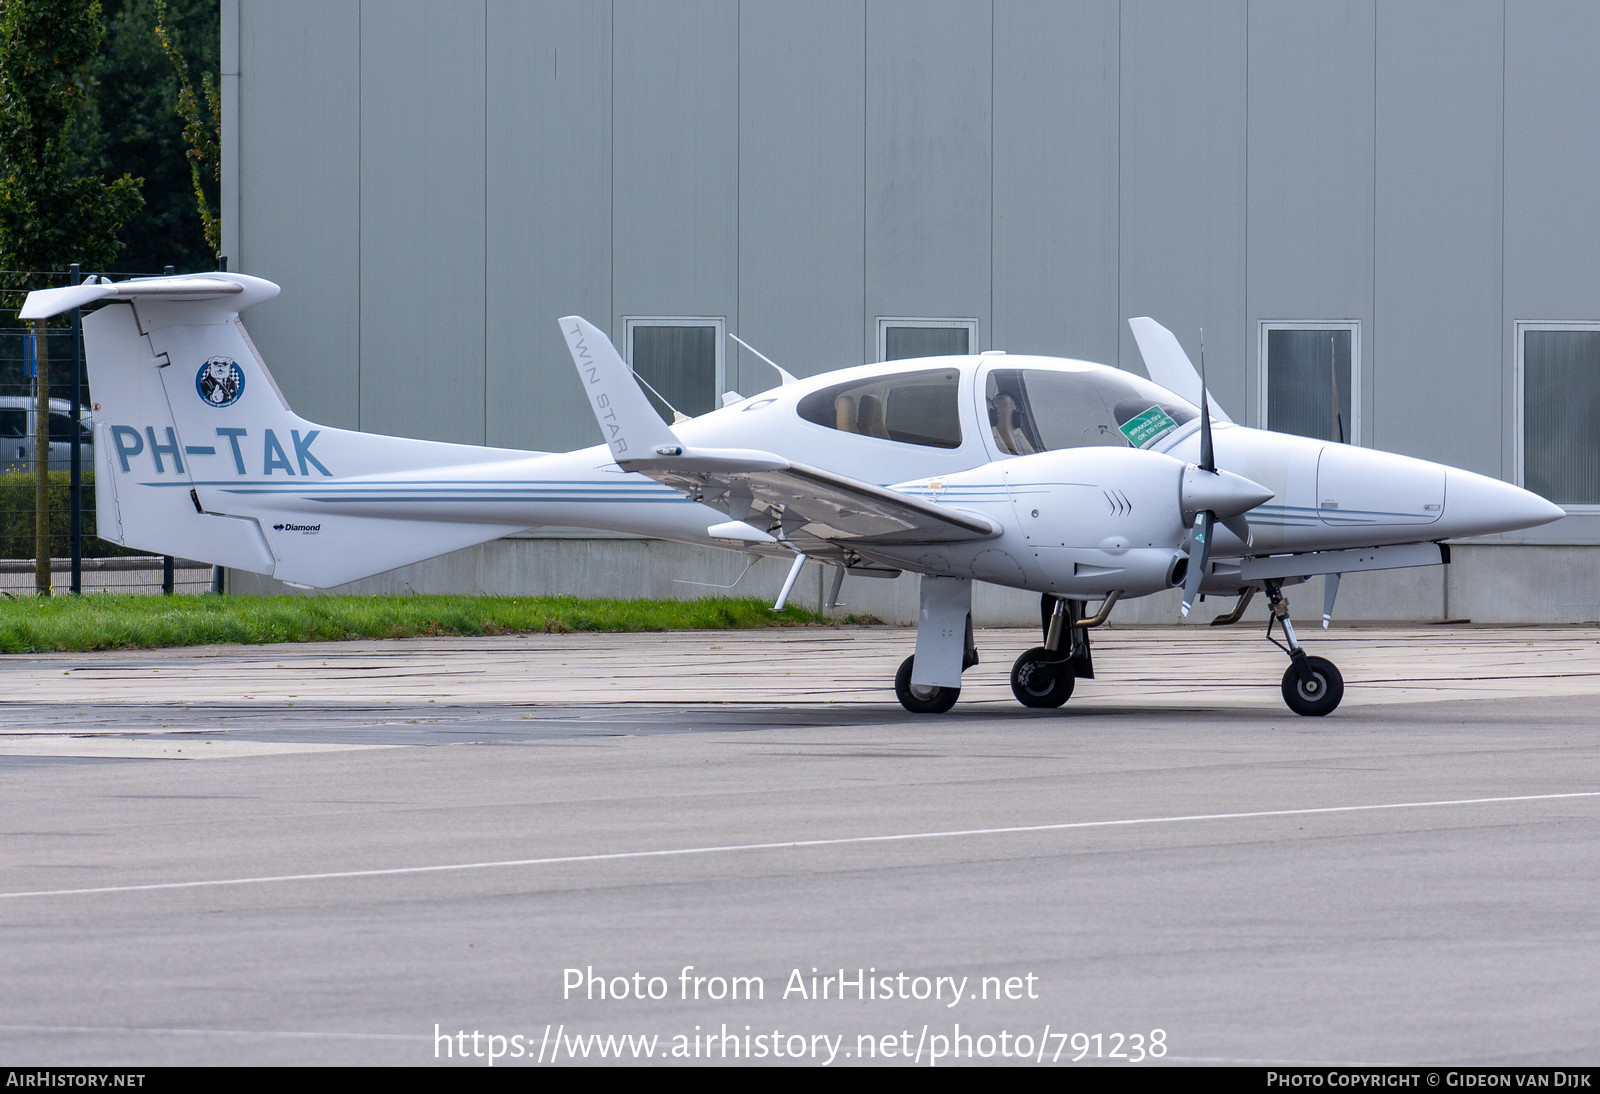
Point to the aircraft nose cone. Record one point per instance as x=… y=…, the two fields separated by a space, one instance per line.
x=1476 y=505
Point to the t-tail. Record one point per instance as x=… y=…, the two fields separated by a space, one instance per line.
x=197 y=453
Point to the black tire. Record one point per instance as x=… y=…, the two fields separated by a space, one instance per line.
x=936 y=701
x=1041 y=679
x=1317 y=696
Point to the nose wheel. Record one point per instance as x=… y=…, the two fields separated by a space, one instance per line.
x=1312 y=686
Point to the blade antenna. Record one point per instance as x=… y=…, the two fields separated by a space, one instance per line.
x=677 y=415
x=787 y=379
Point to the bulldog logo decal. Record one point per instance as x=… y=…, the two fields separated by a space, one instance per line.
x=220 y=381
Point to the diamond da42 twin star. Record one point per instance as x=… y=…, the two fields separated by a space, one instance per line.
x=1078 y=481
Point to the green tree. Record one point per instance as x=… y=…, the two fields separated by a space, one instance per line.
x=138 y=129
x=53 y=211
x=202 y=129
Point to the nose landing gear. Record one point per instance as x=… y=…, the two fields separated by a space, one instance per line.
x=1312 y=686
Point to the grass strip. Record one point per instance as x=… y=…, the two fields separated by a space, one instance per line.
x=108 y=622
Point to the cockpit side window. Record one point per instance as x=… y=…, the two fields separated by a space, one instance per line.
x=1040 y=410
x=910 y=407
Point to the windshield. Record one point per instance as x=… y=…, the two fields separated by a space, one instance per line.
x=1041 y=410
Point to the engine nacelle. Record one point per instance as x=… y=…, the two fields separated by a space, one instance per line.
x=1098 y=519
x=1106 y=498
x=1082 y=521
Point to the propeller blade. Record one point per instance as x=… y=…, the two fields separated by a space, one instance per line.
x=1207 y=460
x=1199 y=556
x=1240 y=527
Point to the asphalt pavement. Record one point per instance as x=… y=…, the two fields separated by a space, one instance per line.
x=737 y=846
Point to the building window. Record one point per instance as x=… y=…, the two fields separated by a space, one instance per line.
x=900 y=338
x=1558 y=396
x=679 y=359
x=1310 y=379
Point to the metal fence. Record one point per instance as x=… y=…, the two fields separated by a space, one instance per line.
x=79 y=561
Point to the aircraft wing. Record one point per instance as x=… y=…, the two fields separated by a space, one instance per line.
x=810 y=509
x=798 y=503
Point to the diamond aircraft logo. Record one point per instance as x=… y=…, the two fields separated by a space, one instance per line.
x=220 y=381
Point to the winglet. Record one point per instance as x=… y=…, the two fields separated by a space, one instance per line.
x=632 y=428
x=1168 y=365
x=638 y=438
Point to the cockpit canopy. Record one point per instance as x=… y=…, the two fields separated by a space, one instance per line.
x=1041 y=410
x=1029 y=409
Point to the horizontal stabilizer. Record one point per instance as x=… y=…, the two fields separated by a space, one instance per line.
x=239 y=290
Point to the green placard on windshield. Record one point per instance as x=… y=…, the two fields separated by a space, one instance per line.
x=1147 y=426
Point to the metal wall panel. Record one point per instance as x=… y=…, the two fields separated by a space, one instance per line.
x=1310 y=153
x=1552 y=179
x=548 y=214
x=928 y=161
x=1437 y=364
x=1183 y=184
x=802 y=102
x=422 y=218
x=1552 y=161
x=1055 y=178
x=299 y=197
x=675 y=155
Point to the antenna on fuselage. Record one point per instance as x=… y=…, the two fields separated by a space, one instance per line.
x=677 y=415
x=787 y=379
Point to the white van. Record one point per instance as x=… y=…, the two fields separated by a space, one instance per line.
x=17 y=416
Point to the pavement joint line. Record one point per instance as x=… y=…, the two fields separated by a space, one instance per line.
x=841 y=841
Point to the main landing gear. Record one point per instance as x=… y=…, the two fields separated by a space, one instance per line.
x=1044 y=676
x=1312 y=686
x=931 y=698
x=929 y=682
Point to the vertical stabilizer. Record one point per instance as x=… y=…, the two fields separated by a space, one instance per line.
x=1168 y=365
x=197 y=454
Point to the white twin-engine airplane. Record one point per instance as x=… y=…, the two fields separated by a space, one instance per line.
x=1079 y=481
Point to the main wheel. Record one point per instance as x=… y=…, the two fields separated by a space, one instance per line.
x=922 y=699
x=1041 y=679
x=1315 y=696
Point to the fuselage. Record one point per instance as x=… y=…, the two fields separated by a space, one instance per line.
x=1074 y=461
